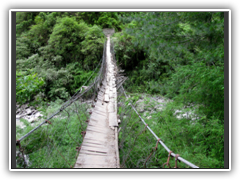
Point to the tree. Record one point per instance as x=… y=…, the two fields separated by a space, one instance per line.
x=66 y=39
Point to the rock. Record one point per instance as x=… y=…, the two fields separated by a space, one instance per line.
x=149 y=117
x=17 y=111
x=34 y=112
x=24 y=106
x=20 y=124
x=188 y=115
x=21 y=116
x=38 y=114
x=28 y=111
x=161 y=101
x=177 y=112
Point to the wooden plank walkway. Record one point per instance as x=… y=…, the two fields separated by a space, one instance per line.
x=100 y=145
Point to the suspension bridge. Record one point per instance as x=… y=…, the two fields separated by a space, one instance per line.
x=83 y=132
x=100 y=145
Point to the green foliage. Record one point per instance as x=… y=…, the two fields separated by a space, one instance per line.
x=23 y=44
x=174 y=39
x=80 y=77
x=41 y=30
x=200 y=140
x=108 y=20
x=202 y=86
x=66 y=37
x=27 y=85
x=174 y=44
x=24 y=20
x=92 y=46
x=126 y=54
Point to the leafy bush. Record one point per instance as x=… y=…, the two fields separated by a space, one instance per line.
x=27 y=85
x=23 y=44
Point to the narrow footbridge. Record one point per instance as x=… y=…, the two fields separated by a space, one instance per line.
x=83 y=132
x=100 y=145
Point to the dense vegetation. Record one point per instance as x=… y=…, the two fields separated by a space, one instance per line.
x=179 y=55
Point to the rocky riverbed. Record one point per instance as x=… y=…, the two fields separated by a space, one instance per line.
x=32 y=115
x=26 y=112
x=149 y=104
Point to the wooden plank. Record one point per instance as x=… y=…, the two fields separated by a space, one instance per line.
x=94 y=122
x=91 y=149
x=113 y=119
x=100 y=120
x=99 y=104
x=100 y=111
x=111 y=107
x=98 y=130
x=106 y=98
x=93 y=141
x=99 y=136
x=97 y=116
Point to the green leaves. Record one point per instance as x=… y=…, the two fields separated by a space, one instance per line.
x=24 y=20
x=27 y=85
x=66 y=37
x=92 y=46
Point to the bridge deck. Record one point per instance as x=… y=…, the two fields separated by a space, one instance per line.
x=100 y=145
